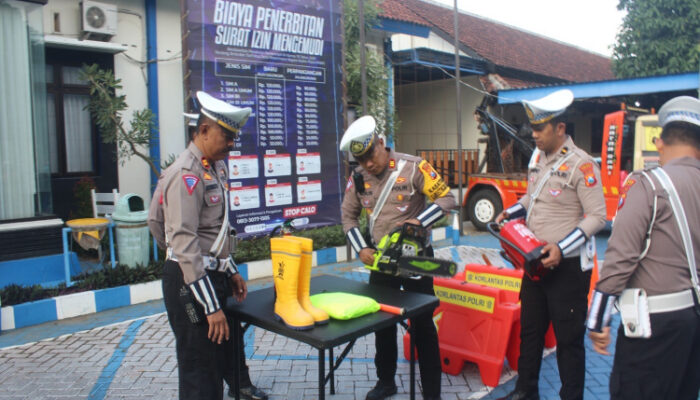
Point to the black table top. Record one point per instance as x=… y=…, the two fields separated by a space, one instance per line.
x=258 y=309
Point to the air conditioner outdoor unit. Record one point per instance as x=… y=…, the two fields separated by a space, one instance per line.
x=99 y=20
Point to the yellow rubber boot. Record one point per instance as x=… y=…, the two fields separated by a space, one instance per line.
x=307 y=246
x=286 y=256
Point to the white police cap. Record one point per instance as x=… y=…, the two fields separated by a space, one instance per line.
x=360 y=136
x=191 y=119
x=546 y=108
x=226 y=115
x=682 y=108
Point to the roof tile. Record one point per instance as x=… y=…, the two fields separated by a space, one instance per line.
x=504 y=45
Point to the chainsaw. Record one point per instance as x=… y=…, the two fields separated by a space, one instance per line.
x=397 y=254
x=520 y=247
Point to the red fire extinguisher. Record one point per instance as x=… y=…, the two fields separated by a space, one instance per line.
x=520 y=246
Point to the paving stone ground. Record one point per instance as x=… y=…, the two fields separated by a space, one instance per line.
x=129 y=354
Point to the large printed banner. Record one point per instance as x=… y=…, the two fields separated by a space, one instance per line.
x=282 y=59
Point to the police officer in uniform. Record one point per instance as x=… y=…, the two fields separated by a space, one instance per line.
x=199 y=272
x=564 y=207
x=415 y=183
x=647 y=250
x=156 y=220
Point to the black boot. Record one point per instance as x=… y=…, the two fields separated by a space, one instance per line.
x=382 y=390
x=520 y=395
x=249 y=393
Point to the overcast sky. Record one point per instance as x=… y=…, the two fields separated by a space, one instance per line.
x=589 y=24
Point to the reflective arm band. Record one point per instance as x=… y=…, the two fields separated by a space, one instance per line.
x=571 y=242
x=516 y=211
x=356 y=240
x=203 y=292
x=430 y=215
x=230 y=268
x=601 y=310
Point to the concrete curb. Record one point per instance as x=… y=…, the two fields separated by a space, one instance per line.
x=89 y=302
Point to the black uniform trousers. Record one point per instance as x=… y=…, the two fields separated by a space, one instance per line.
x=202 y=365
x=664 y=366
x=425 y=338
x=559 y=297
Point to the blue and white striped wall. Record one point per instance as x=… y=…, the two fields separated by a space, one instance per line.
x=83 y=303
x=73 y=305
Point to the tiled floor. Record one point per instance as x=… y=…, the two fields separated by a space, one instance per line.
x=129 y=354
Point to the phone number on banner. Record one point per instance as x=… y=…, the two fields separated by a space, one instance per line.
x=252 y=219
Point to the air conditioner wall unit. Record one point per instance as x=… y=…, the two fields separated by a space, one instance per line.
x=99 y=20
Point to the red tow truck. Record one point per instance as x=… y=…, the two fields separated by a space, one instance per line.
x=627 y=144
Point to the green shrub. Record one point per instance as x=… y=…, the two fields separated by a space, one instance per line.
x=100 y=279
x=259 y=248
x=248 y=250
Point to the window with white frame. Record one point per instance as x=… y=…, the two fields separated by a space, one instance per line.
x=72 y=138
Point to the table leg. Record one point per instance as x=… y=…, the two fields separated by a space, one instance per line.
x=321 y=374
x=111 y=245
x=413 y=363
x=236 y=362
x=332 y=372
x=65 y=234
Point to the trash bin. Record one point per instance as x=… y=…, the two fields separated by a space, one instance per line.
x=129 y=218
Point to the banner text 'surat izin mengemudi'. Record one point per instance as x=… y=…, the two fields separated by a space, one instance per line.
x=283 y=59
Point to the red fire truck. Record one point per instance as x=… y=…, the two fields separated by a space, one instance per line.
x=627 y=144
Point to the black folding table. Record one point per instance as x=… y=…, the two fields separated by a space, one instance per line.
x=258 y=310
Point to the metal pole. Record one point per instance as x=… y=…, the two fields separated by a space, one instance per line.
x=152 y=58
x=186 y=72
x=363 y=66
x=458 y=159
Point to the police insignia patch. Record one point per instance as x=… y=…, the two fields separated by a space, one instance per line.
x=400 y=179
x=402 y=208
x=367 y=185
x=623 y=192
x=588 y=174
x=564 y=167
x=215 y=199
x=191 y=182
x=428 y=169
x=205 y=163
x=392 y=163
x=207 y=177
x=433 y=186
x=555 y=192
x=356 y=147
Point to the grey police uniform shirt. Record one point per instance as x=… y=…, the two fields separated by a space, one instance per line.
x=570 y=208
x=665 y=267
x=417 y=182
x=193 y=209
x=156 y=219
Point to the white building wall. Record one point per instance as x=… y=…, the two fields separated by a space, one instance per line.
x=131 y=67
x=402 y=41
x=428 y=115
x=173 y=138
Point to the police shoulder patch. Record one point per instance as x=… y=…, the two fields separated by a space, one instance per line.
x=191 y=182
x=629 y=182
x=433 y=185
x=588 y=174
